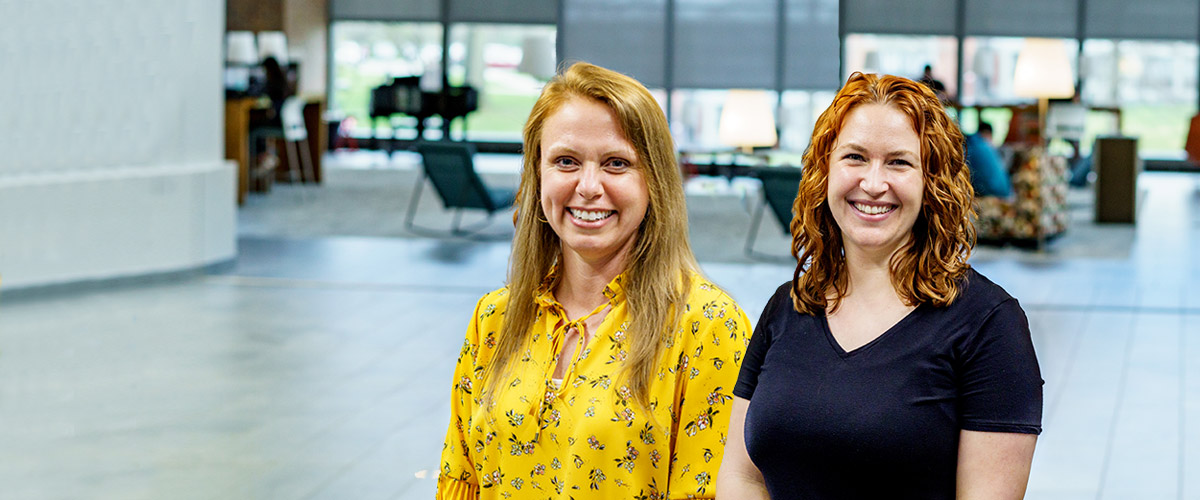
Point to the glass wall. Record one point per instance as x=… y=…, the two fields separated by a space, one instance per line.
x=1153 y=82
x=902 y=55
x=508 y=64
x=369 y=54
x=696 y=114
x=989 y=64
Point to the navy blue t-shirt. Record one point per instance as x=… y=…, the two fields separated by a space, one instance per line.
x=883 y=420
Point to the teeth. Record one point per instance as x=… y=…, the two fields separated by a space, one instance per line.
x=591 y=215
x=874 y=209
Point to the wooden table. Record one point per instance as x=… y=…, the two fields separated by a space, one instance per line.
x=237 y=140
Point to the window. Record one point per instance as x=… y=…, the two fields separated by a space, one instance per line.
x=368 y=54
x=1154 y=83
x=508 y=64
x=903 y=55
x=989 y=65
x=695 y=115
x=798 y=116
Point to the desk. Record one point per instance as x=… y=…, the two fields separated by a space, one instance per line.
x=237 y=140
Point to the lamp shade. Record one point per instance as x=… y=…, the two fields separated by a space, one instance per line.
x=273 y=44
x=1043 y=70
x=747 y=120
x=537 y=57
x=240 y=48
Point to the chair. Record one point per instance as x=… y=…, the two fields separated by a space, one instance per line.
x=451 y=169
x=779 y=187
x=293 y=131
x=291 y=113
x=1037 y=212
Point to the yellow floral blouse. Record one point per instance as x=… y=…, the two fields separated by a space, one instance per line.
x=589 y=438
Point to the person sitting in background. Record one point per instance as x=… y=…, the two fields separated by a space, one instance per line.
x=265 y=122
x=988 y=175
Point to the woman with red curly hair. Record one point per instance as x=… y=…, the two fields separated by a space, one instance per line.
x=887 y=368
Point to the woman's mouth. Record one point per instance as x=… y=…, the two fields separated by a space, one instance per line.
x=591 y=215
x=873 y=209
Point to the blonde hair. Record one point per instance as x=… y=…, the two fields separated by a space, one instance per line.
x=930 y=267
x=658 y=268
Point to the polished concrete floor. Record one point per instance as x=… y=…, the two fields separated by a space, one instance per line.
x=319 y=368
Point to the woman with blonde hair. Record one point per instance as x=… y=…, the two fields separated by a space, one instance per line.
x=887 y=368
x=604 y=368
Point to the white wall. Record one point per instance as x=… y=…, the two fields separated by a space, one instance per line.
x=304 y=22
x=111 y=143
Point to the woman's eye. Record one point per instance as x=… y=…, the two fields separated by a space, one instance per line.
x=853 y=157
x=618 y=164
x=565 y=163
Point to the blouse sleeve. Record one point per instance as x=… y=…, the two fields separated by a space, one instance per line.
x=457 y=479
x=1001 y=385
x=715 y=338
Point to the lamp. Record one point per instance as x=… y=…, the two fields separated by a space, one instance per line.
x=273 y=44
x=1043 y=72
x=747 y=120
x=240 y=48
x=537 y=57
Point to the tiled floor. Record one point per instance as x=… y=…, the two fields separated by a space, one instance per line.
x=320 y=368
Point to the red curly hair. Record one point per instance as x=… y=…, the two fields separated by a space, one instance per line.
x=929 y=268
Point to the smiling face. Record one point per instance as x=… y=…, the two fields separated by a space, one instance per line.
x=592 y=189
x=876 y=182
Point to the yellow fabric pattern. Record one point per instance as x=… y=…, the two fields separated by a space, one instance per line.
x=590 y=438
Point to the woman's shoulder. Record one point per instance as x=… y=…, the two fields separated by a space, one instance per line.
x=708 y=302
x=980 y=301
x=977 y=292
x=491 y=303
x=701 y=290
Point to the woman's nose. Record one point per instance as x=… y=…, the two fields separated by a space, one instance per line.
x=589 y=185
x=874 y=181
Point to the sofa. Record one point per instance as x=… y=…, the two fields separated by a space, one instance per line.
x=1037 y=211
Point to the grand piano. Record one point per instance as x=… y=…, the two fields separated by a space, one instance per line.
x=404 y=96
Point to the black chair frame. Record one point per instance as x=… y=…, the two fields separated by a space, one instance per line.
x=449 y=166
x=779 y=187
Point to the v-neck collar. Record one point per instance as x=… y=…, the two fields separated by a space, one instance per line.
x=844 y=354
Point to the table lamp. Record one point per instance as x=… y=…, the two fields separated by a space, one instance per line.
x=273 y=44
x=1043 y=72
x=240 y=48
x=537 y=57
x=747 y=120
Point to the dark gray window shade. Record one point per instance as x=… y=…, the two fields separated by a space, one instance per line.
x=386 y=10
x=1023 y=18
x=1143 y=19
x=725 y=43
x=504 y=11
x=623 y=35
x=894 y=17
x=811 y=46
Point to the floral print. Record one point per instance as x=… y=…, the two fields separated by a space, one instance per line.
x=589 y=437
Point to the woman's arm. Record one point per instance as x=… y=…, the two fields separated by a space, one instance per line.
x=739 y=478
x=991 y=465
x=712 y=337
x=456 y=479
